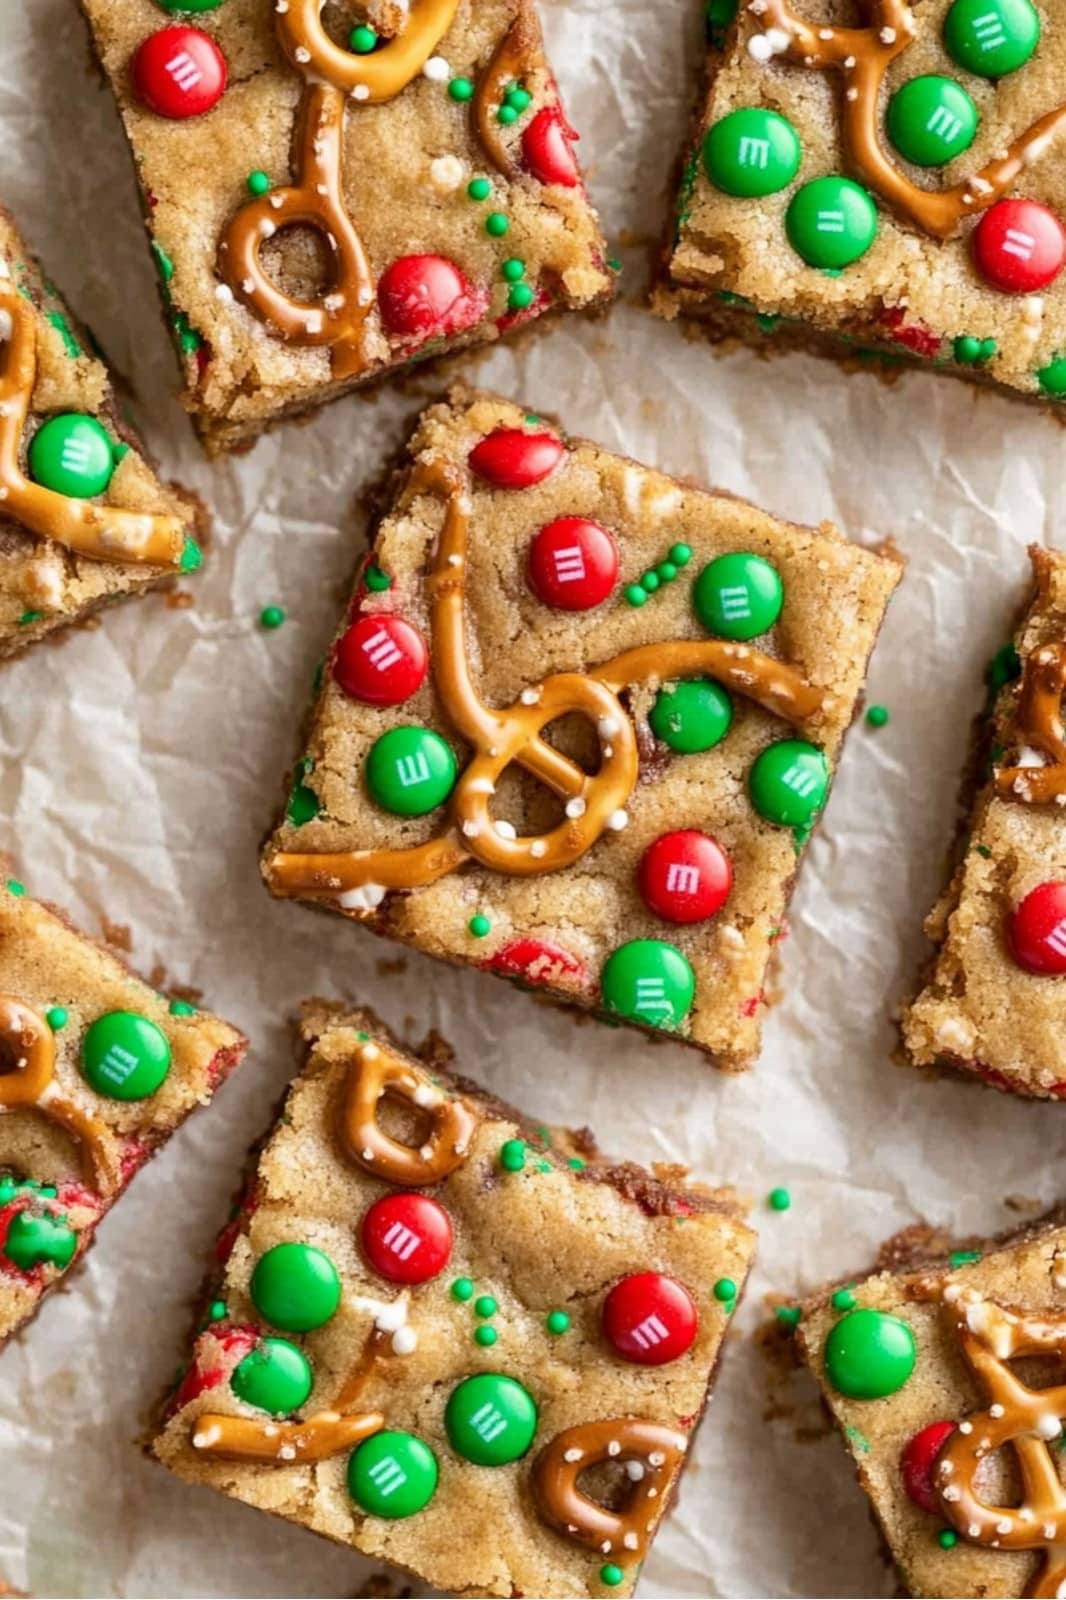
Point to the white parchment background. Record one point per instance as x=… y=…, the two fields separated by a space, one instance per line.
x=139 y=766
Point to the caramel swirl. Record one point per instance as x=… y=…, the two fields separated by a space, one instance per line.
x=515 y=56
x=627 y=1531
x=499 y=738
x=335 y=79
x=30 y=1044
x=106 y=533
x=1038 y=724
x=863 y=56
x=375 y=1071
x=991 y=1336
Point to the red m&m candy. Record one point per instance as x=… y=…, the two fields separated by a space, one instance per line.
x=547 y=151
x=573 y=564
x=512 y=459
x=407 y=1238
x=1019 y=246
x=650 y=1318
x=918 y=1460
x=685 y=876
x=179 y=72
x=427 y=296
x=381 y=660
x=536 y=961
x=1036 y=930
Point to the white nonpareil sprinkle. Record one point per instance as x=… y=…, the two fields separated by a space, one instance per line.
x=224 y=293
x=365 y=898
x=608 y=727
x=763 y=46
x=506 y=830
x=573 y=1455
x=404 y=1340
x=630 y=1540
x=575 y=807
x=529 y=697
x=1048 y=1426
x=437 y=70
x=302 y=53
x=635 y=1470
x=618 y=820
x=538 y=848
x=447 y=173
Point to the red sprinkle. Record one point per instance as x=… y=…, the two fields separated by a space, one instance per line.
x=1019 y=246
x=650 y=1318
x=918 y=1460
x=424 y=297
x=573 y=564
x=179 y=72
x=1036 y=930
x=547 y=148
x=513 y=459
x=381 y=660
x=407 y=1238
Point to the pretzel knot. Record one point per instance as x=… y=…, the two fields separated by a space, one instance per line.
x=106 y=533
x=29 y=1044
x=375 y=1072
x=991 y=1336
x=334 y=79
x=1038 y=724
x=562 y=1504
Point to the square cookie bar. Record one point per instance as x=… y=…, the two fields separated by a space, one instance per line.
x=944 y=1374
x=579 y=722
x=451 y=1338
x=98 y=1071
x=994 y=998
x=84 y=520
x=329 y=203
x=867 y=176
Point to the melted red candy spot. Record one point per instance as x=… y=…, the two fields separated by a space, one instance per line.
x=1019 y=246
x=918 y=1460
x=381 y=660
x=424 y=297
x=232 y=1347
x=685 y=876
x=1036 y=930
x=179 y=72
x=546 y=148
x=916 y=336
x=512 y=459
x=536 y=961
x=650 y=1319
x=135 y=1152
x=407 y=1238
x=573 y=564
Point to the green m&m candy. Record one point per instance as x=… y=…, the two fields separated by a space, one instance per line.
x=649 y=981
x=410 y=771
x=694 y=715
x=931 y=120
x=33 y=1241
x=869 y=1354
x=831 y=222
x=1052 y=378
x=719 y=16
x=189 y=6
x=738 y=596
x=788 y=783
x=392 y=1475
x=125 y=1056
x=72 y=455
x=751 y=152
x=490 y=1419
x=276 y=1377
x=991 y=37
x=296 y=1287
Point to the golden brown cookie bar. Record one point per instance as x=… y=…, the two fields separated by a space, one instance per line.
x=435 y=1314
x=328 y=203
x=875 y=178
x=84 y=520
x=944 y=1374
x=98 y=1071
x=579 y=722
x=994 y=1001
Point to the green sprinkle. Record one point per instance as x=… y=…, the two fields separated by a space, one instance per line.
x=844 y=1300
x=376 y=580
x=461 y=89
x=63 y=328
x=557 y=1322
x=479 y=925
x=635 y=595
x=485 y=1336
x=272 y=617
x=496 y=224
x=858 y=1439
x=462 y=1290
x=611 y=1575
x=877 y=716
x=788 y=1316
x=485 y=1306
x=513 y=269
x=181 y=1008
x=519 y=98
x=56 y=1018
x=947 y=1538
x=30 y=616
x=192 y=557
x=779 y=1199
x=218 y=1311
x=520 y=298
x=667 y=571
x=680 y=554
x=964 y=1258
x=479 y=188
x=1003 y=668
x=983 y=850
x=507 y=114
x=362 y=40
x=513 y=1155
x=725 y=1289
x=258 y=183
x=766 y=322
x=650 y=581
x=162 y=261
x=576 y=1164
x=303 y=806
x=15 y=887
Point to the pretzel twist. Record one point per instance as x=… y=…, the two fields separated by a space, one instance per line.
x=30 y=1043
x=863 y=56
x=561 y=1503
x=513 y=735
x=991 y=1336
x=106 y=533
x=374 y=1072
x=334 y=78
x=1038 y=723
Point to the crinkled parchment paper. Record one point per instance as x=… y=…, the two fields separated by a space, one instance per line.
x=140 y=764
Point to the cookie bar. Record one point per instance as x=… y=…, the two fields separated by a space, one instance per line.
x=578 y=724
x=98 y=1070
x=994 y=999
x=84 y=520
x=451 y=1338
x=328 y=204
x=876 y=178
x=944 y=1376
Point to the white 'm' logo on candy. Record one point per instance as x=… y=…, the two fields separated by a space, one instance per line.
x=753 y=152
x=1056 y=939
x=381 y=651
x=117 y=1064
x=800 y=781
x=830 y=222
x=76 y=454
x=944 y=124
x=651 y=995
x=388 y=1475
x=1019 y=244
x=184 y=71
x=682 y=879
x=401 y=1241
x=650 y=1332
x=487 y=1422
x=412 y=769
x=988 y=31
x=736 y=603
x=570 y=564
